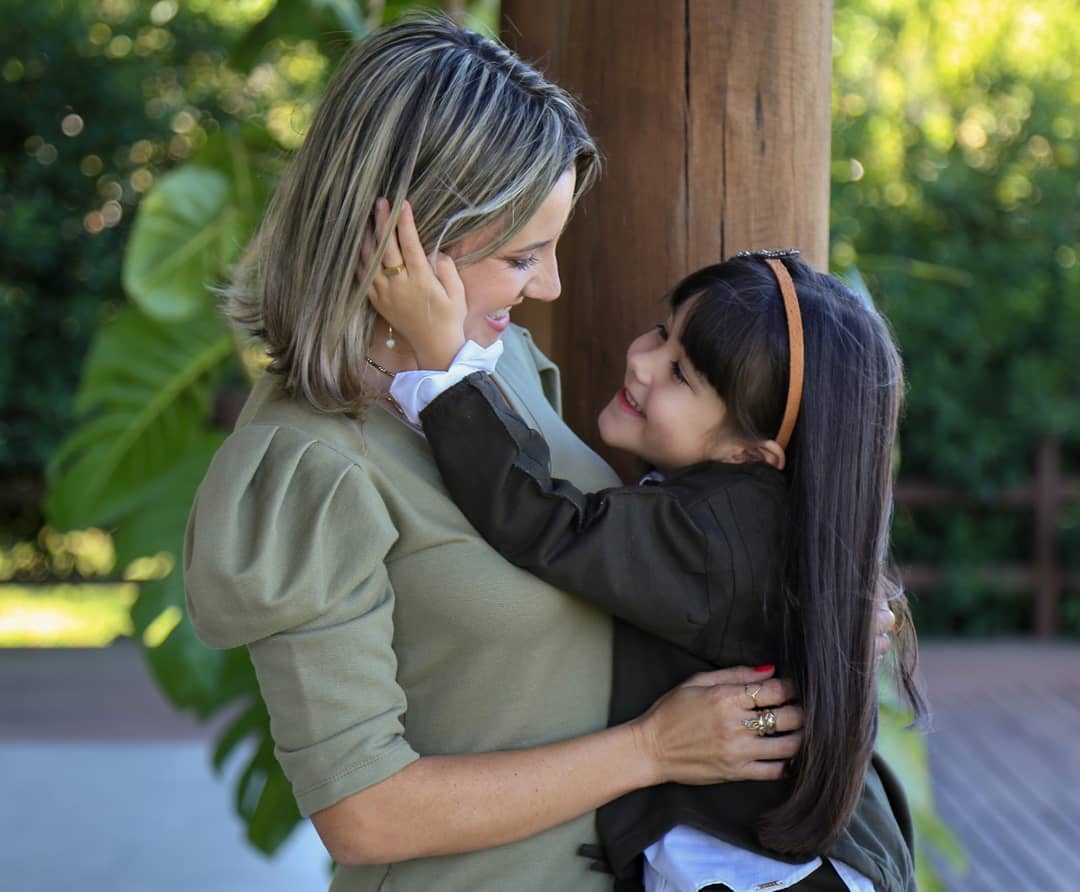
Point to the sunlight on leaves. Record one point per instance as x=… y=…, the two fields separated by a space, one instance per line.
x=65 y=615
x=155 y=634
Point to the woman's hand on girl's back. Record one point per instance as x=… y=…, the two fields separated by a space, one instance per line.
x=423 y=299
x=696 y=733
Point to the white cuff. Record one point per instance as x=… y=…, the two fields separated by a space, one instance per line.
x=412 y=391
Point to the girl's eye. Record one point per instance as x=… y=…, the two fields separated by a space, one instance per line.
x=523 y=263
x=677 y=372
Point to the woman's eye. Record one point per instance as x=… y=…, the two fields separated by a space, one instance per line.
x=662 y=330
x=677 y=372
x=523 y=263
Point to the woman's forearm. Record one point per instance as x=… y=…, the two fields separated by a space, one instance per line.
x=441 y=805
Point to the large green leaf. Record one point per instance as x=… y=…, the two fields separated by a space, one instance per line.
x=251 y=162
x=275 y=814
x=145 y=395
x=186 y=233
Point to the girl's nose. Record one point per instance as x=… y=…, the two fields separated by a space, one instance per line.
x=637 y=358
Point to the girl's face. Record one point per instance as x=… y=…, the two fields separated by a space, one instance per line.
x=666 y=412
x=523 y=267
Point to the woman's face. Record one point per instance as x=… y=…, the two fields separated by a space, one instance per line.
x=524 y=267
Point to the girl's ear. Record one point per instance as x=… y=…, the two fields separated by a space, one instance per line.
x=772 y=453
x=767 y=452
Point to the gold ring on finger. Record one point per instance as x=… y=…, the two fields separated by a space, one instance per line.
x=391 y=271
x=768 y=719
x=756 y=724
x=753 y=694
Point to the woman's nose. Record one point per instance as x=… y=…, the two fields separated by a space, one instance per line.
x=545 y=285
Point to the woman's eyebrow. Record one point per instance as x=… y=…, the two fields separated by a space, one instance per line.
x=532 y=247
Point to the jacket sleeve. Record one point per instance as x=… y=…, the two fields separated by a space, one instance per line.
x=633 y=551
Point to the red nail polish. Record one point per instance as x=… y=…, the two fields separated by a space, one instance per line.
x=768 y=667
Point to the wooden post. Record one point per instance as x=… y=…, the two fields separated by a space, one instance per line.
x=1048 y=574
x=714 y=118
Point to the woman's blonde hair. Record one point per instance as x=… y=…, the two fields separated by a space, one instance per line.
x=423 y=110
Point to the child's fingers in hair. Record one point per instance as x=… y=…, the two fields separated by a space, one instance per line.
x=446 y=272
x=408 y=240
x=391 y=257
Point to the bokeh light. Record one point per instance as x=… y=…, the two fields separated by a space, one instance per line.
x=72 y=125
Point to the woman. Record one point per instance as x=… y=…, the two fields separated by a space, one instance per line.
x=439 y=713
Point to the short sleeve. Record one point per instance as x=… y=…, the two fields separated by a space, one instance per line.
x=285 y=554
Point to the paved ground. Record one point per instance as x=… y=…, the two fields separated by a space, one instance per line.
x=104 y=789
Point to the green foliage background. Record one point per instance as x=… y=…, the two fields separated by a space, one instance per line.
x=956 y=139
x=955 y=193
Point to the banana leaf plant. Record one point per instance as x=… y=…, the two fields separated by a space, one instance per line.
x=147 y=397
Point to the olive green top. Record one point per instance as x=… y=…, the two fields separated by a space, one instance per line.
x=382 y=627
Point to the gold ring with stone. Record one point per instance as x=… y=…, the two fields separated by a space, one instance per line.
x=763 y=723
x=768 y=718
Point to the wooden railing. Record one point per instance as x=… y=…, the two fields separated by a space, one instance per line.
x=1047 y=496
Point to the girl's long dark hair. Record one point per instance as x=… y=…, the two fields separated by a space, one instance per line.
x=839 y=473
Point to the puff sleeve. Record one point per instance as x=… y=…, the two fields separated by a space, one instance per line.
x=285 y=553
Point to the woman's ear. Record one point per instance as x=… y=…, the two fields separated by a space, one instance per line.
x=767 y=452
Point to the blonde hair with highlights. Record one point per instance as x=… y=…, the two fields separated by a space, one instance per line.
x=423 y=110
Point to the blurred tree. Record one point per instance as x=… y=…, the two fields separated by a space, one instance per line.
x=956 y=142
x=98 y=99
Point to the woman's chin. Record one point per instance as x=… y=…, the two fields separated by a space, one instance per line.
x=483 y=335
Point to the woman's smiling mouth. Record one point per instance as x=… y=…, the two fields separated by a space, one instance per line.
x=499 y=319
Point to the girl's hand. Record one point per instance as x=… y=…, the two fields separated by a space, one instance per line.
x=696 y=734
x=425 y=303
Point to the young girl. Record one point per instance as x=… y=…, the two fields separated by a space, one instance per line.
x=767 y=404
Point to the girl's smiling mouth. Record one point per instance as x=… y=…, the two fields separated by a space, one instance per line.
x=629 y=404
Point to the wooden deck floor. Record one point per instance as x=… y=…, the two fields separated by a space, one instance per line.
x=1005 y=755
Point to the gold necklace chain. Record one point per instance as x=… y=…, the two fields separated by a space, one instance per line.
x=374 y=364
x=389 y=399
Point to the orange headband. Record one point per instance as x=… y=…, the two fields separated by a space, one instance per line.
x=796 y=359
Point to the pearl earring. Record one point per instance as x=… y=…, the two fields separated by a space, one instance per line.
x=390 y=342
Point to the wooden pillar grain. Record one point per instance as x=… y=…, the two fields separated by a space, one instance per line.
x=714 y=118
